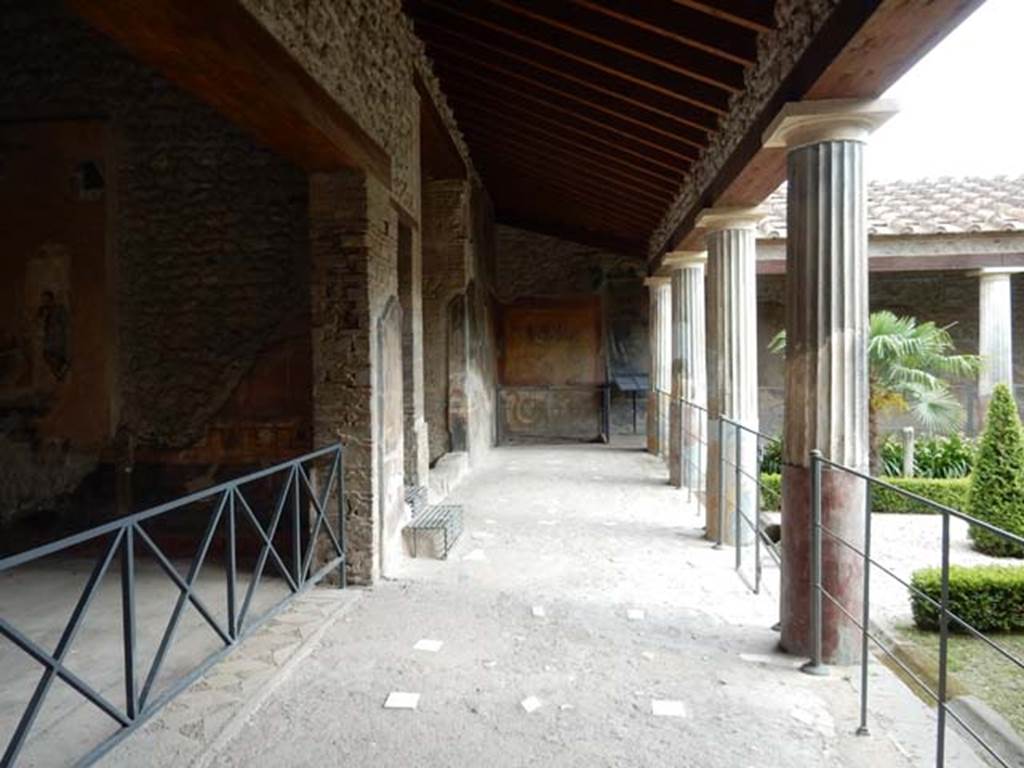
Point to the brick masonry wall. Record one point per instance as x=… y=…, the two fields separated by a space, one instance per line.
x=208 y=231
x=533 y=265
x=365 y=54
x=353 y=234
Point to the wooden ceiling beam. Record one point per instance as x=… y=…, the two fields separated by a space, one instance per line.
x=573 y=233
x=541 y=156
x=554 y=119
x=592 y=105
x=716 y=36
x=575 y=178
x=569 y=204
x=758 y=16
x=677 y=53
x=222 y=55
x=566 y=203
x=509 y=123
x=486 y=22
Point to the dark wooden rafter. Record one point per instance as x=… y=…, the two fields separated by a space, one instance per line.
x=587 y=20
x=515 y=111
x=594 y=212
x=542 y=163
x=674 y=21
x=758 y=16
x=587 y=113
x=502 y=30
x=653 y=176
x=550 y=87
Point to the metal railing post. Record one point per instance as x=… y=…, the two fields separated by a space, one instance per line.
x=343 y=565
x=815 y=665
x=757 y=521
x=296 y=532
x=232 y=570
x=131 y=691
x=862 y=729
x=737 y=496
x=940 y=735
x=721 y=483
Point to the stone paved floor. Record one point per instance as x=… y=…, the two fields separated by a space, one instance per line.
x=586 y=533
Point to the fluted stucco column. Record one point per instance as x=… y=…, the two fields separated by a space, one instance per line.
x=731 y=307
x=655 y=332
x=689 y=379
x=995 y=332
x=826 y=359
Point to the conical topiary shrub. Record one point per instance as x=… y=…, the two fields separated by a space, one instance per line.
x=997 y=482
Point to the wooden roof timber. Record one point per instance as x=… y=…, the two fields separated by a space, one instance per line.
x=575 y=233
x=660 y=178
x=553 y=89
x=566 y=204
x=224 y=56
x=717 y=35
x=553 y=121
x=678 y=54
x=499 y=29
x=759 y=17
x=548 y=165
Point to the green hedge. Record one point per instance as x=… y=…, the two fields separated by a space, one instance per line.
x=771 y=492
x=988 y=597
x=952 y=493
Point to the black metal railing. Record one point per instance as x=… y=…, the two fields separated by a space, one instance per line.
x=309 y=482
x=948 y=620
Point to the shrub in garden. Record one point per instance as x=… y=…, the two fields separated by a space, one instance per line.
x=997 y=482
x=951 y=493
x=988 y=597
x=938 y=457
x=771 y=457
x=771 y=492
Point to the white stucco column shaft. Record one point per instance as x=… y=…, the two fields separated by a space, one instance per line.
x=826 y=359
x=995 y=331
x=731 y=307
x=655 y=333
x=689 y=378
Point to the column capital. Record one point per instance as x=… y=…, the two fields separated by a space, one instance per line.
x=657 y=281
x=800 y=123
x=683 y=259
x=996 y=271
x=730 y=217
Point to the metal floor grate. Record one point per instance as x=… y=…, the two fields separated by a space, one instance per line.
x=443 y=518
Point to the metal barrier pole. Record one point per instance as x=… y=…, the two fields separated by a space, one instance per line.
x=862 y=729
x=737 y=505
x=721 y=483
x=757 y=522
x=343 y=565
x=815 y=666
x=940 y=736
x=131 y=693
x=232 y=569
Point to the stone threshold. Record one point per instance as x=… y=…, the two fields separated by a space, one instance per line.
x=197 y=724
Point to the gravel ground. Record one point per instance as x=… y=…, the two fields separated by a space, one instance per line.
x=586 y=534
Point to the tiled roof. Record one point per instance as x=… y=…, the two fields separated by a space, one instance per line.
x=928 y=207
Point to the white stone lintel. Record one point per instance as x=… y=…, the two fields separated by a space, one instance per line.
x=800 y=123
x=657 y=281
x=995 y=271
x=730 y=217
x=682 y=259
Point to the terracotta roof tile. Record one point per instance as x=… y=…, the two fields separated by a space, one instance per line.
x=928 y=207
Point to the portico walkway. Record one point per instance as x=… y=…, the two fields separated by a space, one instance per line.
x=587 y=533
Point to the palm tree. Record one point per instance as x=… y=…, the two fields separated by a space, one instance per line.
x=909 y=364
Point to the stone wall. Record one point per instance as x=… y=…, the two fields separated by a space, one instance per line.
x=458 y=318
x=946 y=298
x=534 y=266
x=208 y=237
x=365 y=54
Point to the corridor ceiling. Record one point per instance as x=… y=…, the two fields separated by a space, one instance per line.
x=583 y=115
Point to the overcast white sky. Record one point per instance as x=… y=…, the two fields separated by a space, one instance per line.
x=962 y=106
